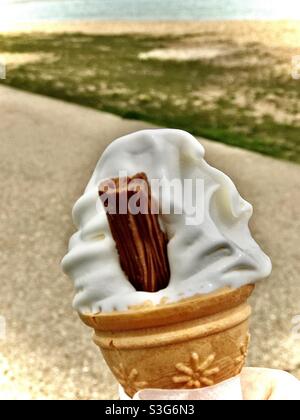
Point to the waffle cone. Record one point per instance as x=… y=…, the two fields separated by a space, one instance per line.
x=193 y=343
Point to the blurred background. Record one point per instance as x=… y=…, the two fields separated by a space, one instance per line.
x=75 y=75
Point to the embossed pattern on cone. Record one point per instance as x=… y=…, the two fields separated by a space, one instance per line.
x=193 y=353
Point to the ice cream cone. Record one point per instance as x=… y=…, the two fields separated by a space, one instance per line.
x=193 y=343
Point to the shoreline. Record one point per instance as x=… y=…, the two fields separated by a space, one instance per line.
x=279 y=33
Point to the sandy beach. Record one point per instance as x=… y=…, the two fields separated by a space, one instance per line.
x=272 y=33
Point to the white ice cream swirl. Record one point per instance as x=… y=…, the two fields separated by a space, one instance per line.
x=216 y=253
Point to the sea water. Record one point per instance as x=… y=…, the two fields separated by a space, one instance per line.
x=37 y=10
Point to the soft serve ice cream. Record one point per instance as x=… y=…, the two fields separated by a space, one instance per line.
x=204 y=255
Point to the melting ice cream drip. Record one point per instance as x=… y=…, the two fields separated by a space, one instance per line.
x=216 y=253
